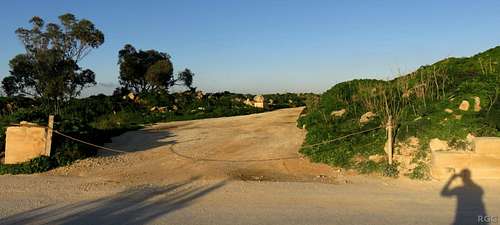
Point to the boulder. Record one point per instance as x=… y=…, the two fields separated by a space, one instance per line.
x=438 y=145
x=376 y=158
x=131 y=96
x=10 y=107
x=27 y=124
x=464 y=106
x=248 y=102
x=413 y=141
x=477 y=104
x=199 y=95
x=358 y=159
x=406 y=94
x=409 y=147
x=405 y=163
x=470 y=137
x=367 y=117
x=338 y=113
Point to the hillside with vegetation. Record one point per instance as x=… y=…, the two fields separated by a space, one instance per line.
x=451 y=100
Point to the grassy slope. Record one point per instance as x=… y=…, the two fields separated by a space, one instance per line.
x=424 y=117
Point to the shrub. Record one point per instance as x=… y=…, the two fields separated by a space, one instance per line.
x=36 y=165
x=420 y=172
x=389 y=170
x=69 y=151
x=367 y=167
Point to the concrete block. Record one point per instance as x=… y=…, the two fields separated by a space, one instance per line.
x=448 y=158
x=488 y=146
x=24 y=143
x=444 y=164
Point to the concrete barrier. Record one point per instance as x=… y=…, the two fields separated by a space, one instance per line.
x=483 y=161
x=488 y=146
x=24 y=143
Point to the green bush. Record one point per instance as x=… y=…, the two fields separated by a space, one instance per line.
x=70 y=151
x=389 y=170
x=369 y=166
x=420 y=172
x=36 y=165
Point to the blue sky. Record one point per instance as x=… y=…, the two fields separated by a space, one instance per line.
x=272 y=46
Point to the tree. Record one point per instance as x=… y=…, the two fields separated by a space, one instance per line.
x=186 y=77
x=150 y=70
x=49 y=69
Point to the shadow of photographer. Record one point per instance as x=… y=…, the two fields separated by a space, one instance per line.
x=470 y=206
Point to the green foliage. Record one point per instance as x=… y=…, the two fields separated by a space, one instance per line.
x=389 y=170
x=69 y=151
x=49 y=68
x=369 y=166
x=341 y=153
x=186 y=76
x=321 y=126
x=36 y=165
x=149 y=71
x=420 y=172
x=286 y=100
x=144 y=71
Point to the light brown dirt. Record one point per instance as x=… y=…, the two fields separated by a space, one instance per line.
x=253 y=147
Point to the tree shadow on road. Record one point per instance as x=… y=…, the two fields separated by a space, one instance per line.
x=149 y=139
x=138 y=205
x=470 y=206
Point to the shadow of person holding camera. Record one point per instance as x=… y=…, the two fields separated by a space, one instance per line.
x=470 y=207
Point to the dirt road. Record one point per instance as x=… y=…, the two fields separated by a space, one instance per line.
x=236 y=170
x=254 y=147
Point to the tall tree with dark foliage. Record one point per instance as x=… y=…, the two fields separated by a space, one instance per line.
x=49 y=68
x=149 y=71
